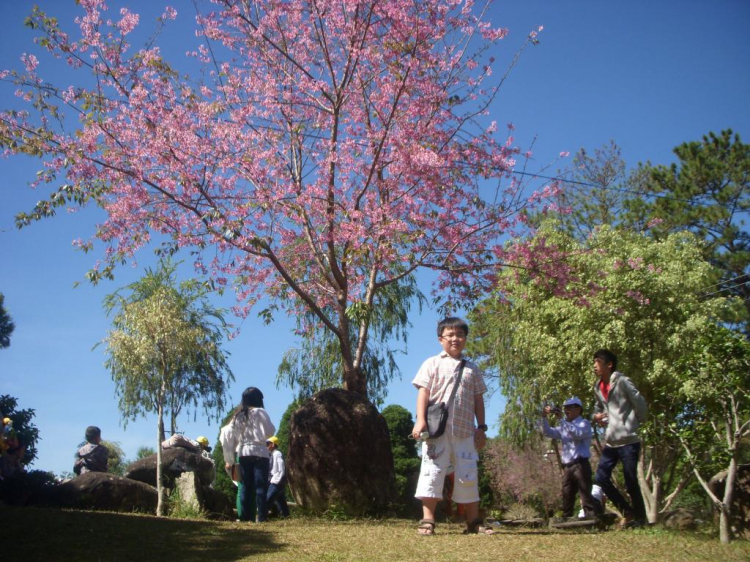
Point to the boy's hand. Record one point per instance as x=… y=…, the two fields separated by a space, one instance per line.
x=480 y=439
x=601 y=418
x=419 y=427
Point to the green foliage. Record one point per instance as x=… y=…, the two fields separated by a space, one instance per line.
x=283 y=431
x=598 y=190
x=706 y=191
x=642 y=298
x=639 y=297
x=116 y=461
x=164 y=350
x=27 y=432
x=6 y=324
x=318 y=364
x=23 y=488
x=144 y=451
x=715 y=379
x=180 y=509
x=406 y=461
x=222 y=482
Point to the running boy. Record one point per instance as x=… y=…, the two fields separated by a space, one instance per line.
x=455 y=450
x=621 y=409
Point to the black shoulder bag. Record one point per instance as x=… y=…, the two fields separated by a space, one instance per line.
x=437 y=414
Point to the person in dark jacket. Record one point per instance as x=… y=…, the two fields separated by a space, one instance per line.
x=93 y=456
x=621 y=409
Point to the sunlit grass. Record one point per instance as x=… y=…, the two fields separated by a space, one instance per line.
x=54 y=535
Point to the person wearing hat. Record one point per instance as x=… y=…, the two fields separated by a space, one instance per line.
x=93 y=456
x=277 y=478
x=574 y=433
x=204 y=447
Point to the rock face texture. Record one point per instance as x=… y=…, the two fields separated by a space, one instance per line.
x=741 y=505
x=100 y=490
x=340 y=454
x=193 y=493
x=680 y=519
x=174 y=462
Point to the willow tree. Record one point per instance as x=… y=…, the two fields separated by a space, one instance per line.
x=164 y=352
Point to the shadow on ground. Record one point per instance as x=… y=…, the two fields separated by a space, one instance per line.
x=37 y=534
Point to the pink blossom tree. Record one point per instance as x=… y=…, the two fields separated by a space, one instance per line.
x=329 y=150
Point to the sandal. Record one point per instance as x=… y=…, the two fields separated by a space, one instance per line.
x=477 y=527
x=426 y=528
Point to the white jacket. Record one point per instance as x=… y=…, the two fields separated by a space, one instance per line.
x=247 y=436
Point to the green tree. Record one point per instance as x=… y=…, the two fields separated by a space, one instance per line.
x=116 y=461
x=164 y=351
x=27 y=432
x=707 y=191
x=598 y=190
x=222 y=482
x=317 y=364
x=144 y=451
x=6 y=324
x=406 y=461
x=716 y=379
x=283 y=431
x=637 y=296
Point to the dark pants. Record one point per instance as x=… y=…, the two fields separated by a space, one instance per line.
x=628 y=455
x=255 y=479
x=577 y=481
x=277 y=496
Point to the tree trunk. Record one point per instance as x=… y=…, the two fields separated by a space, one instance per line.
x=160 y=503
x=725 y=509
x=649 y=491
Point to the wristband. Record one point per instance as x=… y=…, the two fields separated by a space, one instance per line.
x=482 y=426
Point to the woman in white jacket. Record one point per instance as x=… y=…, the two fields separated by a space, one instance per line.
x=246 y=435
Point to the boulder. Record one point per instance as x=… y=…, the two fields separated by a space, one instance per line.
x=340 y=454
x=741 y=502
x=101 y=490
x=174 y=462
x=679 y=520
x=217 y=504
x=188 y=487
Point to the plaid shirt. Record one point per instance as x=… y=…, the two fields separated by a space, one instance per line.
x=437 y=375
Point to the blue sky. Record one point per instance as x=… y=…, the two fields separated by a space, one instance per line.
x=647 y=74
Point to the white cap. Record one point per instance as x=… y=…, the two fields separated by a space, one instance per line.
x=574 y=401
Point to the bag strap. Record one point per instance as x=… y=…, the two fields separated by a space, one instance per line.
x=457 y=383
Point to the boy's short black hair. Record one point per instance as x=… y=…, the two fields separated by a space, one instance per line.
x=452 y=322
x=92 y=432
x=608 y=357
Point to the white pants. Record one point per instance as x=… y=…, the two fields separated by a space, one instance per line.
x=442 y=456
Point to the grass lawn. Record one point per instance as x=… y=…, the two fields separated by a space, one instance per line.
x=35 y=534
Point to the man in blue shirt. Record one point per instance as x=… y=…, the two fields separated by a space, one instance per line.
x=574 y=433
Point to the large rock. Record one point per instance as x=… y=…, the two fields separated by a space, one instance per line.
x=174 y=462
x=217 y=504
x=340 y=454
x=100 y=490
x=680 y=519
x=741 y=502
x=193 y=494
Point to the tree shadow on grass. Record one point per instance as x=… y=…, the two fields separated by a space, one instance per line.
x=33 y=534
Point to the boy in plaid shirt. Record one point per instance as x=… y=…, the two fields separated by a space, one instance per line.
x=457 y=449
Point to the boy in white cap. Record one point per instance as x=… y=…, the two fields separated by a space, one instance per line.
x=574 y=433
